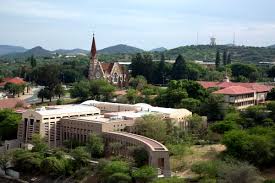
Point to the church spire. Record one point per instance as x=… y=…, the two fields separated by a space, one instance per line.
x=93 y=50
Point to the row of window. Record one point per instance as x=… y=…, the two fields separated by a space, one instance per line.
x=59 y=117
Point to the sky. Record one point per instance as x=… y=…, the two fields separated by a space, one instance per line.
x=146 y=24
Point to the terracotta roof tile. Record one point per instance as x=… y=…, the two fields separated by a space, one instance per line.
x=253 y=86
x=15 y=80
x=234 y=90
x=11 y=103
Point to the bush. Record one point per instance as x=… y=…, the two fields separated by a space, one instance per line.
x=53 y=166
x=256 y=146
x=229 y=171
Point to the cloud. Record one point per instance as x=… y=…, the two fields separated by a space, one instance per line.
x=36 y=8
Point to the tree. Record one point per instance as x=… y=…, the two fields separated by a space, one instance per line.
x=119 y=177
x=271 y=94
x=179 y=70
x=147 y=126
x=197 y=126
x=218 y=59
x=224 y=57
x=5 y=159
x=12 y=88
x=169 y=180
x=41 y=94
x=229 y=61
x=244 y=70
x=27 y=161
x=214 y=108
x=132 y=96
x=100 y=89
x=140 y=156
x=80 y=90
x=190 y=104
x=32 y=61
x=228 y=170
x=161 y=70
x=113 y=171
x=144 y=174
x=138 y=83
x=59 y=90
x=223 y=126
x=255 y=146
x=39 y=144
x=53 y=166
x=48 y=76
x=142 y=64
x=9 y=121
x=95 y=146
x=80 y=156
x=49 y=94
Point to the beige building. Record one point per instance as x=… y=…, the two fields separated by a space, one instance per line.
x=76 y=122
x=134 y=111
x=157 y=152
x=237 y=94
x=79 y=128
x=46 y=121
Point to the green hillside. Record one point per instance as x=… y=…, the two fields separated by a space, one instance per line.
x=239 y=53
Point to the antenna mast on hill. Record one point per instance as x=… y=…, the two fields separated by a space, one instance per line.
x=197 y=38
x=234 y=39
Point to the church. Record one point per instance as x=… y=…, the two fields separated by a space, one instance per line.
x=114 y=72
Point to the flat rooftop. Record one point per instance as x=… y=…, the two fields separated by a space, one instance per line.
x=98 y=119
x=66 y=109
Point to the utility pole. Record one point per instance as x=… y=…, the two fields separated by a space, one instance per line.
x=197 y=38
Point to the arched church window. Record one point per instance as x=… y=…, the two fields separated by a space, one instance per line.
x=115 y=79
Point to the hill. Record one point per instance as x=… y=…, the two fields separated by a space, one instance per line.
x=160 y=49
x=120 y=49
x=271 y=46
x=37 y=51
x=7 y=49
x=208 y=53
x=76 y=51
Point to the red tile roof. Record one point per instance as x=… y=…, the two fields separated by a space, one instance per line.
x=12 y=103
x=208 y=84
x=234 y=90
x=15 y=80
x=253 y=86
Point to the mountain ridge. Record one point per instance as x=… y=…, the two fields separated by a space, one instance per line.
x=7 y=49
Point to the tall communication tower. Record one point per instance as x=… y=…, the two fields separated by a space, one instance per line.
x=234 y=39
x=197 y=38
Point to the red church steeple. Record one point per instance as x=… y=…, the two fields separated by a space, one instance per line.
x=93 y=50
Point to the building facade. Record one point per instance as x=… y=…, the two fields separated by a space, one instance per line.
x=114 y=72
x=240 y=95
x=45 y=121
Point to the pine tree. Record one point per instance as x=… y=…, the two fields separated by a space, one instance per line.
x=229 y=58
x=179 y=68
x=224 y=57
x=33 y=61
x=161 y=69
x=218 y=59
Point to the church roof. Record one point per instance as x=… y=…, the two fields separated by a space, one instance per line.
x=93 y=49
x=107 y=67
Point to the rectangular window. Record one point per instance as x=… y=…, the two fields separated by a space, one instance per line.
x=31 y=121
